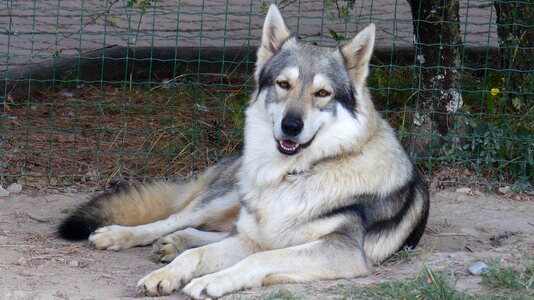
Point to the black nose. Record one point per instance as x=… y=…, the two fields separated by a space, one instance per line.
x=291 y=125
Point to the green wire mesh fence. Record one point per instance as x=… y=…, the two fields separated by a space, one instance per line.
x=97 y=91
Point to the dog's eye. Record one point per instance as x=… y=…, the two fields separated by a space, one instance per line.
x=283 y=84
x=322 y=93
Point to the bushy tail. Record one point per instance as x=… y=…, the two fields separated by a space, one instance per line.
x=134 y=205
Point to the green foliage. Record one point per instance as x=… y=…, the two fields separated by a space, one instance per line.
x=493 y=135
x=142 y=4
x=404 y=255
x=336 y=36
x=520 y=278
x=428 y=285
x=237 y=112
x=515 y=29
x=439 y=285
x=391 y=86
x=342 y=12
x=493 y=138
x=264 y=6
x=496 y=148
x=68 y=79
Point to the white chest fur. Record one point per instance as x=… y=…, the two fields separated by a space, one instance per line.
x=283 y=216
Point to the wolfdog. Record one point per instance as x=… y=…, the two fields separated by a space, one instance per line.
x=322 y=190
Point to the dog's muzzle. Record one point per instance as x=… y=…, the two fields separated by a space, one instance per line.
x=292 y=126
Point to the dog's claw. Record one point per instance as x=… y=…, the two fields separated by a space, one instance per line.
x=159 y=288
x=141 y=291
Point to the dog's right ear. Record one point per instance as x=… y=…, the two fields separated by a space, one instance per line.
x=275 y=33
x=357 y=54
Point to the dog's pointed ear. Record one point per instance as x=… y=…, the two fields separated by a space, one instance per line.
x=275 y=33
x=357 y=54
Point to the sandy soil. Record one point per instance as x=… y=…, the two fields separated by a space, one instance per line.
x=36 y=265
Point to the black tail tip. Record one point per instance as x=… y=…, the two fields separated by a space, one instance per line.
x=76 y=227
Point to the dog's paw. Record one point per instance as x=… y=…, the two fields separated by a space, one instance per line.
x=160 y=283
x=168 y=248
x=210 y=286
x=114 y=237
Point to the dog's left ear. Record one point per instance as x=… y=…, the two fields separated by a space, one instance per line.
x=275 y=33
x=357 y=54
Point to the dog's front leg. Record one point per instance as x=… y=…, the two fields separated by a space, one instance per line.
x=193 y=263
x=334 y=256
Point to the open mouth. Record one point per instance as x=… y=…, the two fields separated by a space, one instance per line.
x=288 y=147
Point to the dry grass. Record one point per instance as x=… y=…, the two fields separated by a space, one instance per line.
x=96 y=134
x=104 y=133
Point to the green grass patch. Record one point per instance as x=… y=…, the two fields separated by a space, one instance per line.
x=280 y=295
x=402 y=256
x=428 y=284
x=515 y=280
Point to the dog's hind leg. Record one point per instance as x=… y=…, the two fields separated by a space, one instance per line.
x=217 y=215
x=117 y=237
x=332 y=257
x=141 y=214
x=170 y=246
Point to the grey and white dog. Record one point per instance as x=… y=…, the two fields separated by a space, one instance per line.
x=322 y=190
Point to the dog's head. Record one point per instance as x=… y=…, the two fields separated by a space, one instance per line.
x=307 y=88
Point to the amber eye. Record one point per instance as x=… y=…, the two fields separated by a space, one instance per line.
x=283 y=84
x=322 y=93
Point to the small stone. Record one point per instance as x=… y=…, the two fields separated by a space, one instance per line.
x=478 y=193
x=50 y=294
x=53 y=182
x=74 y=263
x=201 y=107
x=3 y=192
x=466 y=191
x=67 y=95
x=505 y=190
x=14 y=188
x=477 y=268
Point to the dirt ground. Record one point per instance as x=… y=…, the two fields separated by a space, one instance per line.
x=36 y=265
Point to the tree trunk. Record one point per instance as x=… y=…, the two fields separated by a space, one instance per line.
x=515 y=29
x=437 y=46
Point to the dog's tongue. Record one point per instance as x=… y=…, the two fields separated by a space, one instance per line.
x=288 y=144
